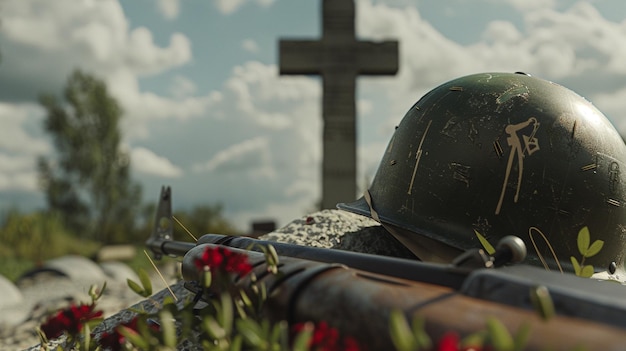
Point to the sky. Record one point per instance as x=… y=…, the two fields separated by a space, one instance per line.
x=206 y=112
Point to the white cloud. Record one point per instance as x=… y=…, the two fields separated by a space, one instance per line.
x=170 y=9
x=43 y=41
x=364 y=106
x=530 y=5
x=502 y=32
x=426 y=57
x=13 y=136
x=252 y=156
x=18 y=172
x=577 y=42
x=21 y=181
x=265 y=97
x=613 y=105
x=230 y=6
x=19 y=148
x=182 y=87
x=250 y=46
x=147 y=162
x=96 y=37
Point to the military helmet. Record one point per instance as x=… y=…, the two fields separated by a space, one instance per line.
x=495 y=154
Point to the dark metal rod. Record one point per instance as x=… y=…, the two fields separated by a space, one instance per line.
x=176 y=248
x=444 y=275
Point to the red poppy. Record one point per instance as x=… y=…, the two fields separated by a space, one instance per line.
x=449 y=342
x=115 y=339
x=326 y=338
x=220 y=259
x=70 y=320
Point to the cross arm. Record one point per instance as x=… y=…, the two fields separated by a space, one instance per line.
x=377 y=58
x=301 y=57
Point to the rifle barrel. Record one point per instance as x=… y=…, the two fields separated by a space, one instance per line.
x=415 y=270
x=160 y=246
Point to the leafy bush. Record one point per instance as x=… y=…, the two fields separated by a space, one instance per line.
x=30 y=239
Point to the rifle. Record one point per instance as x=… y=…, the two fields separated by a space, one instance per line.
x=356 y=292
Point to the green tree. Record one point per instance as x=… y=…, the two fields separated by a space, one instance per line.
x=203 y=219
x=87 y=181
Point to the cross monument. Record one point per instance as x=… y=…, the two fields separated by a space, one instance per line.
x=339 y=58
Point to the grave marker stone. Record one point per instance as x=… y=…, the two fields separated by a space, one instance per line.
x=339 y=58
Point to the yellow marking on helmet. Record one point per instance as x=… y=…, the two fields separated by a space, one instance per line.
x=456 y=88
x=539 y=255
x=498 y=148
x=589 y=167
x=613 y=202
x=418 y=156
x=511 y=93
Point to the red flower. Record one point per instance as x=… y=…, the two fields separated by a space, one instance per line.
x=449 y=342
x=112 y=341
x=326 y=338
x=70 y=320
x=115 y=340
x=220 y=259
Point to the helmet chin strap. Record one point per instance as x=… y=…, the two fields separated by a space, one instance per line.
x=423 y=248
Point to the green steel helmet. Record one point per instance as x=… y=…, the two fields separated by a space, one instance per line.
x=496 y=154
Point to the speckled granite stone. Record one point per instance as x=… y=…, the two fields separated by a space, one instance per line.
x=341 y=230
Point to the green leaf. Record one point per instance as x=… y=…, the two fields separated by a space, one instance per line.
x=401 y=334
x=279 y=335
x=542 y=301
x=43 y=340
x=245 y=299
x=92 y=323
x=168 y=330
x=226 y=314
x=474 y=341
x=136 y=287
x=301 y=342
x=586 y=271
x=241 y=311
x=263 y=292
x=86 y=340
x=485 y=243
x=421 y=337
x=134 y=338
x=187 y=321
x=520 y=339
x=95 y=294
x=251 y=332
x=213 y=328
x=499 y=335
x=236 y=343
x=583 y=240
x=207 y=278
x=145 y=281
x=576 y=265
x=272 y=255
x=594 y=248
x=168 y=300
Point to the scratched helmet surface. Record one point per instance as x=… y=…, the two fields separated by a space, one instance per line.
x=499 y=154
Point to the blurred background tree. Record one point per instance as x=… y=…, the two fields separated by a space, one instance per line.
x=203 y=219
x=87 y=181
x=91 y=197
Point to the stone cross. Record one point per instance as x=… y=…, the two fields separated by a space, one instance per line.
x=339 y=58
